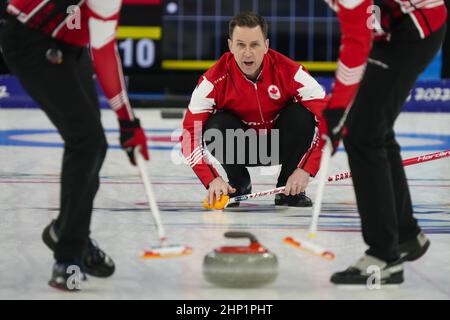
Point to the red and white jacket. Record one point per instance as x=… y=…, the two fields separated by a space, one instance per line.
x=257 y=104
x=82 y=23
x=358 y=28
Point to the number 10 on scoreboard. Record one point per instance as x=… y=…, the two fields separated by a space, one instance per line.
x=137 y=54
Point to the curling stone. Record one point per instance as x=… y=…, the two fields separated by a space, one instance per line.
x=240 y=266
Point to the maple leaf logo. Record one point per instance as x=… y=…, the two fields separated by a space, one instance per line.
x=274 y=92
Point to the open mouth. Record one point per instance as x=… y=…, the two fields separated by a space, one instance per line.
x=248 y=63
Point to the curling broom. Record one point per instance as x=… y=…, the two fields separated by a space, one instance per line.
x=226 y=200
x=163 y=250
x=307 y=245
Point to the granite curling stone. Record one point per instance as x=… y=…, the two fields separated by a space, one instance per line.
x=240 y=266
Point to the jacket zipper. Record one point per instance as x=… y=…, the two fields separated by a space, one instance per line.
x=259 y=104
x=257 y=97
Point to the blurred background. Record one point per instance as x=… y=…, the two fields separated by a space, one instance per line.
x=166 y=45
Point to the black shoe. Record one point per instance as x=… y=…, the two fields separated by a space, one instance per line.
x=67 y=276
x=240 y=190
x=299 y=200
x=95 y=262
x=49 y=236
x=415 y=248
x=364 y=272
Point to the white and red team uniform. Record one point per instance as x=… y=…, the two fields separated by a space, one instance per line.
x=87 y=22
x=257 y=104
x=355 y=19
x=397 y=43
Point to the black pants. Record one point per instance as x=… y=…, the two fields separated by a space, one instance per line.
x=67 y=94
x=296 y=127
x=381 y=188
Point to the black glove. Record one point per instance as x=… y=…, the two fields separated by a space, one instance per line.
x=335 y=120
x=132 y=136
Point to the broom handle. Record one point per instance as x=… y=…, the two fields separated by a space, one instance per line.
x=322 y=180
x=406 y=162
x=150 y=194
x=342 y=176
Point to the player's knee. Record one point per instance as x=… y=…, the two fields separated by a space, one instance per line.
x=102 y=145
x=222 y=121
x=355 y=140
x=352 y=138
x=90 y=140
x=297 y=121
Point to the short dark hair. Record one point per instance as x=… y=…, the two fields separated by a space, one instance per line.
x=248 y=19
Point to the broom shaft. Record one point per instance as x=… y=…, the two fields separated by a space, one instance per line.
x=406 y=162
x=343 y=176
x=322 y=179
x=150 y=194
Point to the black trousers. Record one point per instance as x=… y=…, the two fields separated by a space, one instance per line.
x=296 y=127
x=381 y=188
x=66 y=93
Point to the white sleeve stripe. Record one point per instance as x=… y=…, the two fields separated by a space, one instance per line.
x=116 y=100
x=314 y=142
x=12 y=9
x=355 y=74
x=195 y=161
x=410 y=6
x=119 y=100
x=197 y=151
x=122 y=84
x=348 y=81
x=417 y=24
x=349 y=76
x=342 y=67
x=35 y=10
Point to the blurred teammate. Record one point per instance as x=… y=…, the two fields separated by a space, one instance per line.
x=247 y=93
x=406 y=37
x=44 y=43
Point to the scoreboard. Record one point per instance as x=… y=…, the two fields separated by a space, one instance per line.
x=160 y=35
x=192 y=34
x=140 y=36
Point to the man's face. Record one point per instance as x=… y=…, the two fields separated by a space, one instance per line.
x=248 y=47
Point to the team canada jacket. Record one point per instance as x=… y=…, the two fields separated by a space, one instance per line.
x=257 y=104
x=362 y=21
x=82 y=23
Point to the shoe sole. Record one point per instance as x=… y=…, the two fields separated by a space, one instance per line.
x=394 y=279
x=97 y=274
x=234 y=205
x=64 y=289
x=290 y=206
x=418 y=254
